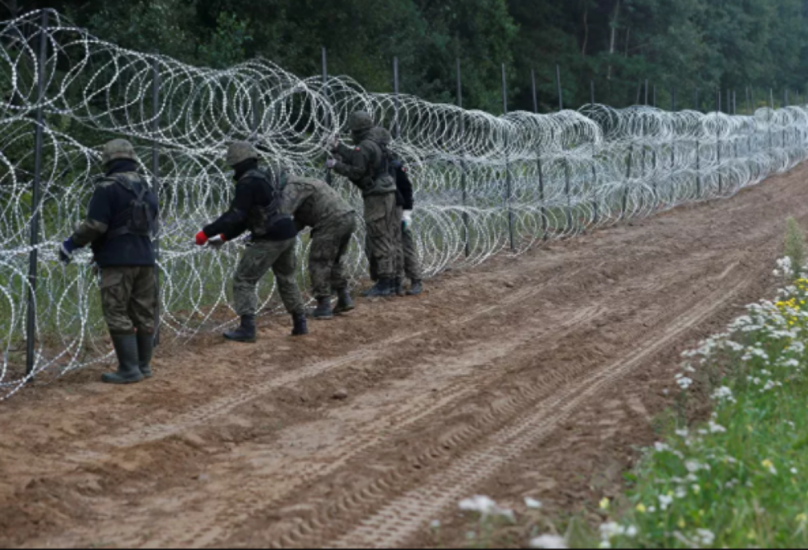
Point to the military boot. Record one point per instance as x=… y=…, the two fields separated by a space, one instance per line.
x=416 y=288
x=323 y=310
x=344 y=302
x=145 y=350
x=398 y=287
x=301 y=326
x=128 y=365
x=244 y=333
x=382 y=289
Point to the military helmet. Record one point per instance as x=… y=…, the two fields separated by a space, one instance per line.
x=360 y=121
x=240 y=151
x=118 y=149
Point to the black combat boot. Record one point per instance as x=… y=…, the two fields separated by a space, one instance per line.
x=344 y=302
x=398 y=287
x=244 y=333
x=128 y=365
x=301 y=327
x=382 y=289
x=145 y=350
x=323 y=310
x=416 y=288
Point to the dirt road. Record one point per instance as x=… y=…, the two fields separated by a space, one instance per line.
x=531 y=376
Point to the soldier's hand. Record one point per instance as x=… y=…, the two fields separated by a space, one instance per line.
x=406 y=220
x=201 y=239
x=330 y=163
x=217 y=241
x=66 y=251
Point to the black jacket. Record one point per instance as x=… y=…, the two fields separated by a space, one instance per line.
x=252 y=194
x=107 y=212
x=403 y=186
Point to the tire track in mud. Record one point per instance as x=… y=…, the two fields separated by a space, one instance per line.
x=346 y=509
x=223 y=406
x=393 y=524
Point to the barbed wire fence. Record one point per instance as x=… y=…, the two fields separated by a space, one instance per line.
x=485 y=183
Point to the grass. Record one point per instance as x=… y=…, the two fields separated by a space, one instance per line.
x=738 y=479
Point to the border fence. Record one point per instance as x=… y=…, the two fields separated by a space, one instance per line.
x=485 y=183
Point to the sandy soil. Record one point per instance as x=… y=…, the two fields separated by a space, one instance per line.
x=530 y=376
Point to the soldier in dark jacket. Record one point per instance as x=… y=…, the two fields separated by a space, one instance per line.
x=256 y=208
x=120 y=225
x=408 y=262
x=313 y=203
x=367 y=166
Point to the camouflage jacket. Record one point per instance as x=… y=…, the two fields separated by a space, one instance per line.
x=312 y=202
x=364 y=164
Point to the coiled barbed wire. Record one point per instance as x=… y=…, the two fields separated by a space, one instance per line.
x=484 y=183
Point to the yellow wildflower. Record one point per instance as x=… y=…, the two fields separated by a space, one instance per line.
x=604 y=504
x=641 y=508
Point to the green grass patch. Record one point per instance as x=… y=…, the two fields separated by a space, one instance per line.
x=739 y=479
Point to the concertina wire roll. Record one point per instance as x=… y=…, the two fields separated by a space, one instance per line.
x=479 y=178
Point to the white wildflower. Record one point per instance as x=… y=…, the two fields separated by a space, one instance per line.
x=706 y=538
x=664 y=502
x=532 y=503
x=716 y=428
x=549 y=541
x=485 y=507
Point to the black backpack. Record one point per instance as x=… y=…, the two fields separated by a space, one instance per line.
x=139 y=216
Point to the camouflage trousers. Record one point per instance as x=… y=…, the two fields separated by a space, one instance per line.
x=129 y=299
x=408 y=262
x=383 y=232
x=329 y=246
x=259 y=257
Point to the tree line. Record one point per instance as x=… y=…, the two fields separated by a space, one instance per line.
x=611 y=45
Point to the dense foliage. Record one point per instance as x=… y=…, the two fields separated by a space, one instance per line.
x=618 y=44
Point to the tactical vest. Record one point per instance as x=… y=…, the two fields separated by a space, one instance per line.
x=138 y=219
x=382 y=178
x=261 y=219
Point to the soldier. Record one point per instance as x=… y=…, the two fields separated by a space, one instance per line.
x=256 y=207
x=313 y=203
x=367 y=165
x=408 y=262
x=120 y=224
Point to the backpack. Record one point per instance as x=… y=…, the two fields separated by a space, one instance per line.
x=139 y=216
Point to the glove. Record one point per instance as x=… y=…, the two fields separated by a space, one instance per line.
x=330 y=163
x=66 y=251
x=217 y=241
x=201 y=239
x=406 y=220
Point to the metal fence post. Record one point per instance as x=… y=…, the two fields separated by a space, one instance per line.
x=36 y=198
x=156 y=187
x=466 y=236
x=646 y=92
x=324 y=61
x=396 y=130
x=558 y=86
x=507 y=161
x=538 y=160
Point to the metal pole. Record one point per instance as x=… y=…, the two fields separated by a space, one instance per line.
x=396 y=131
x=33 y=256
x=507 y=162
x=156 y=184
x=558 y=85
x=540 y=167
x=718 y=101
x=466 y=235
x=646 y=92
x=654 y=96
x=324 y=60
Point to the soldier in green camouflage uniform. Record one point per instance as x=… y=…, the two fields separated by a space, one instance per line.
x=120 y=225
x=313 y=203
x=367 y=166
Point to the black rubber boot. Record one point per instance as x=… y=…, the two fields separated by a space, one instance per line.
x=301 y=326
x=128 y=365
x=416 y=288
x=344 y=302
x=382 y=289
x=244 y=333
x=323 y=310
x=398 y=287
x=145 y=350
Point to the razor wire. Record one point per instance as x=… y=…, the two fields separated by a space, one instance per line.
x=483 y=182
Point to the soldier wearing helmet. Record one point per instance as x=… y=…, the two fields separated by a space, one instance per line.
x=256 y=208
x=120 y=226
x=367 y=165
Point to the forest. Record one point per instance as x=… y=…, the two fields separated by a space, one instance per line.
x=695 y=47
